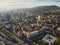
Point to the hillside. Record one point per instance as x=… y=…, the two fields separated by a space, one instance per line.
x=45 y=10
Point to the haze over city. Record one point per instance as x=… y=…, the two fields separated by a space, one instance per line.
x=27 y=3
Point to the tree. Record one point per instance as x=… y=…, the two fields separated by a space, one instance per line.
x=31 y=43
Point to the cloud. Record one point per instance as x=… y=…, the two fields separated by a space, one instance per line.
x=9 y=1
x=26 y=3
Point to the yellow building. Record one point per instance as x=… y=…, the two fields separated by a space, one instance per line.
x=30 y=34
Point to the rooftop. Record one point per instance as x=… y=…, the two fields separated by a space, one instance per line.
x=49 y=38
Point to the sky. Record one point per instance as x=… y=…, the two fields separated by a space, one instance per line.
x=27 y=3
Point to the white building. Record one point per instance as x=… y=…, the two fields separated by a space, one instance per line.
x=58 y=29
x=49 y=39
x=38 y=19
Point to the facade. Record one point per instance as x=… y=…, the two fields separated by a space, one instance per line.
x=30 y=34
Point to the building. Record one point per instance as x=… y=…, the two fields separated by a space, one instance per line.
x=38 y=19
x=2 y=43
x=30 y=31
x=30 y=34
x=58 y=29
x=49 y=39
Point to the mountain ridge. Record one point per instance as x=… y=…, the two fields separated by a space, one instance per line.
x=34 y=10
